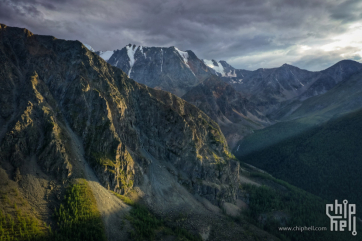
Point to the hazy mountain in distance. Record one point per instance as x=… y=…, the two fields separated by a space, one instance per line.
x=272 y=90
x=318 y=140
x=336 y=77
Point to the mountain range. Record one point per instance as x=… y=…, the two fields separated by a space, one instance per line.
x=88 y=153
x=169 y=69
x=240 y=101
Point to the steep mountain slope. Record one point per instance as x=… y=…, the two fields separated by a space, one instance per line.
x=325 y=160
x=169 y=69
x=236 y=116
x=58 y=98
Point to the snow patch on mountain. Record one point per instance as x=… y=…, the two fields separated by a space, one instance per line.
x=131 y=50
x=185 y=58
x=231 y=73
x=217 y=66
x=184 y=55
x=141 y=49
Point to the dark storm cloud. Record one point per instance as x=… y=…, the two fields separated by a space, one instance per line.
x=247 y=33
x=346 y=11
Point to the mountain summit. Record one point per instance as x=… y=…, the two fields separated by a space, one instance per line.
x=169 y=69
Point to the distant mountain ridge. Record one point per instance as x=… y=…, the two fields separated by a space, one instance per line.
x=177 y=71
x=273 y=89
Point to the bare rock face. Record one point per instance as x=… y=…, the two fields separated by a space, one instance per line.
x=135 y=137
x=235 y=114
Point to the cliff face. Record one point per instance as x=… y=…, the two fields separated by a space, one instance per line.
x=133 y=135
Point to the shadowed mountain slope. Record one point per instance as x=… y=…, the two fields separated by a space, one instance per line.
x=324 y=160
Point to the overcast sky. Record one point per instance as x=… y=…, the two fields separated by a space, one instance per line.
x=249 y=34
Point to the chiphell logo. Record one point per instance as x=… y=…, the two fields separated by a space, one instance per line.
x=343 y=216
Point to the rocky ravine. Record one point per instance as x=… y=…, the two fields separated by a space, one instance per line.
x=134 y=137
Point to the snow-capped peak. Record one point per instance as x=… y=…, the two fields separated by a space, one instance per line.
x=89 y=47
x=217 y=66
x=184 y=55
x=185 y=58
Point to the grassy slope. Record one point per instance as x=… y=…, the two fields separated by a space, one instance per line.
x=76 y=219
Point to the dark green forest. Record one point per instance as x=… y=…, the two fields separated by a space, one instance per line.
x=325 y=160
x=288 y=206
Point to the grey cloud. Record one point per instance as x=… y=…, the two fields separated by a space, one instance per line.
x=322 y=60
x=211 y=28
x=347 y=11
